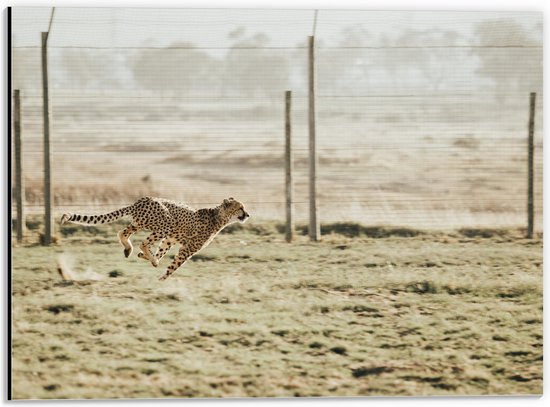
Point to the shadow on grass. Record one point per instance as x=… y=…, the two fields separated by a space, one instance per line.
x=353 y=229
x=488 y=233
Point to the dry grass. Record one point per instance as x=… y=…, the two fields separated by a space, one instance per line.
x=436 y=166
x=365 y=312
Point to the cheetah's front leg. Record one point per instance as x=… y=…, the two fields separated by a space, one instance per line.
x=164 y=247
x=183 y=255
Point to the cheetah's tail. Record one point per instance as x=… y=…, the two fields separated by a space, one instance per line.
x=95 y=219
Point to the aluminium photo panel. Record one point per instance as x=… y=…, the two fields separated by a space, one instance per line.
x=246 y=203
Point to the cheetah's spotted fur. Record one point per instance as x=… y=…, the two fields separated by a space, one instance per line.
x=170 y=222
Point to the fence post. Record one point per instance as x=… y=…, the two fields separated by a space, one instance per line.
x=314 y=229
x=19 y=187
x=289 y=235
x=530 y=167
x=47 y=127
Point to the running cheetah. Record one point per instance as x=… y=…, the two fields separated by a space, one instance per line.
x=170 y=222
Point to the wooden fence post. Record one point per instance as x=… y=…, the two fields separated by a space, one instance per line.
x=47 y=129
x=19 y=187
x=314 y=228
x=530 y=167
x=289 y=235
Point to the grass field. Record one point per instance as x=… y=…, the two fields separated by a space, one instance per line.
x=367 y=311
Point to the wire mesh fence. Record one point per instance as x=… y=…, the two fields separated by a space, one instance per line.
x=421 y=116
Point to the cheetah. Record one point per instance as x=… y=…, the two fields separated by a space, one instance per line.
x=170 y=223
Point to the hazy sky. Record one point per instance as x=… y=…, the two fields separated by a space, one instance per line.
x=133 y=27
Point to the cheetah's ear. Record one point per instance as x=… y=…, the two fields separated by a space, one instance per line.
x=227 y=201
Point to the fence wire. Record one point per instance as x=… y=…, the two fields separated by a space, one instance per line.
x=421 y=116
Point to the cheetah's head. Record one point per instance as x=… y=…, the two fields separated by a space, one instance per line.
x=235 y=210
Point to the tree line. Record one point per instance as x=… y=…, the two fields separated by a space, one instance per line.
x=505 y=57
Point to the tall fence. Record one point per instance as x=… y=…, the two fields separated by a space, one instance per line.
x=421 y=122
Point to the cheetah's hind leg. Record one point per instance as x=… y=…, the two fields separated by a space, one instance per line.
x=144 y=256
x=124 y=238
x=145 y=247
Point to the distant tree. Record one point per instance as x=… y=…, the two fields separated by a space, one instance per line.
x=84 y=69
x=178 y=69
x=339 y=69
x=343 y=68
x=430 y=56
x=251 y=70
x=347 y=68
x=510 y=69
